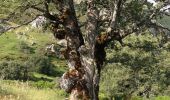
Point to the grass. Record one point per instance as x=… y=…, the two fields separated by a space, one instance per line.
x=10 y=40
x=38 y=75
x=15 y=90
x=162 y=98
x=7 y=44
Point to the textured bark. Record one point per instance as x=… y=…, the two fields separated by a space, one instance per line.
x=73 y=80
x=115 y=14
x=84 y=56
x=92 y=74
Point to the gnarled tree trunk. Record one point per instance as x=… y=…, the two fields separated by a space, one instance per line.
x=89 y=51
x=84 y=56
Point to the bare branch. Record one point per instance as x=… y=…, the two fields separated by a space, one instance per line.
x=46 y=12
x=37 y=8
x=158 y=25
x=115 y=13
x=18 y=26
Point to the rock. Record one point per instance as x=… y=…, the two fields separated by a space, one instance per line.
x=38 y=22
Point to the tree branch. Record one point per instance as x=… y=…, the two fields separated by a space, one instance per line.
x=47 y=13
x=46 y=6
x=115 y=14
x=37 y=8
x=160 y=26
x=18 y=26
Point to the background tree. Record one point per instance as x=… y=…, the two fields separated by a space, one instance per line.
x=136 y=70
x=85 y=50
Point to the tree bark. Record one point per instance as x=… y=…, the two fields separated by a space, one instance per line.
x=89 y=61
x=84 y=56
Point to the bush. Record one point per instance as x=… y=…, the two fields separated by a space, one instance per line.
x=42 y=64
x=22 y=69
x=45 y=66
x=24 y=47
x=13 y=70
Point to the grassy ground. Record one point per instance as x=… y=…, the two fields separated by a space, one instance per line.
x=15 y=90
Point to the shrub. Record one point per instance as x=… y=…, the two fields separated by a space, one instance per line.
x=24 y=47
x=13 y=70
x=42 y=64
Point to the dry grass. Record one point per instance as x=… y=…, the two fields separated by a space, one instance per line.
x=22 y=91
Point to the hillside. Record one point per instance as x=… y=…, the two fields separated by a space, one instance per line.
x=33 y=73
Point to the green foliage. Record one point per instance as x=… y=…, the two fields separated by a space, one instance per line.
x=42 y=64
x=21 y=69
x=139 y=69
x=14 y=70
x=24 y=47
x=7 y=4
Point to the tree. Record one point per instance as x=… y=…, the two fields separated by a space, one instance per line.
x=140 y=69
x=106 y=21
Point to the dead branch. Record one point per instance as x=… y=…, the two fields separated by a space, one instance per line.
x=18 y=26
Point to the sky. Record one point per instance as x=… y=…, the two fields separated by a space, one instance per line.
x=151 y=1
